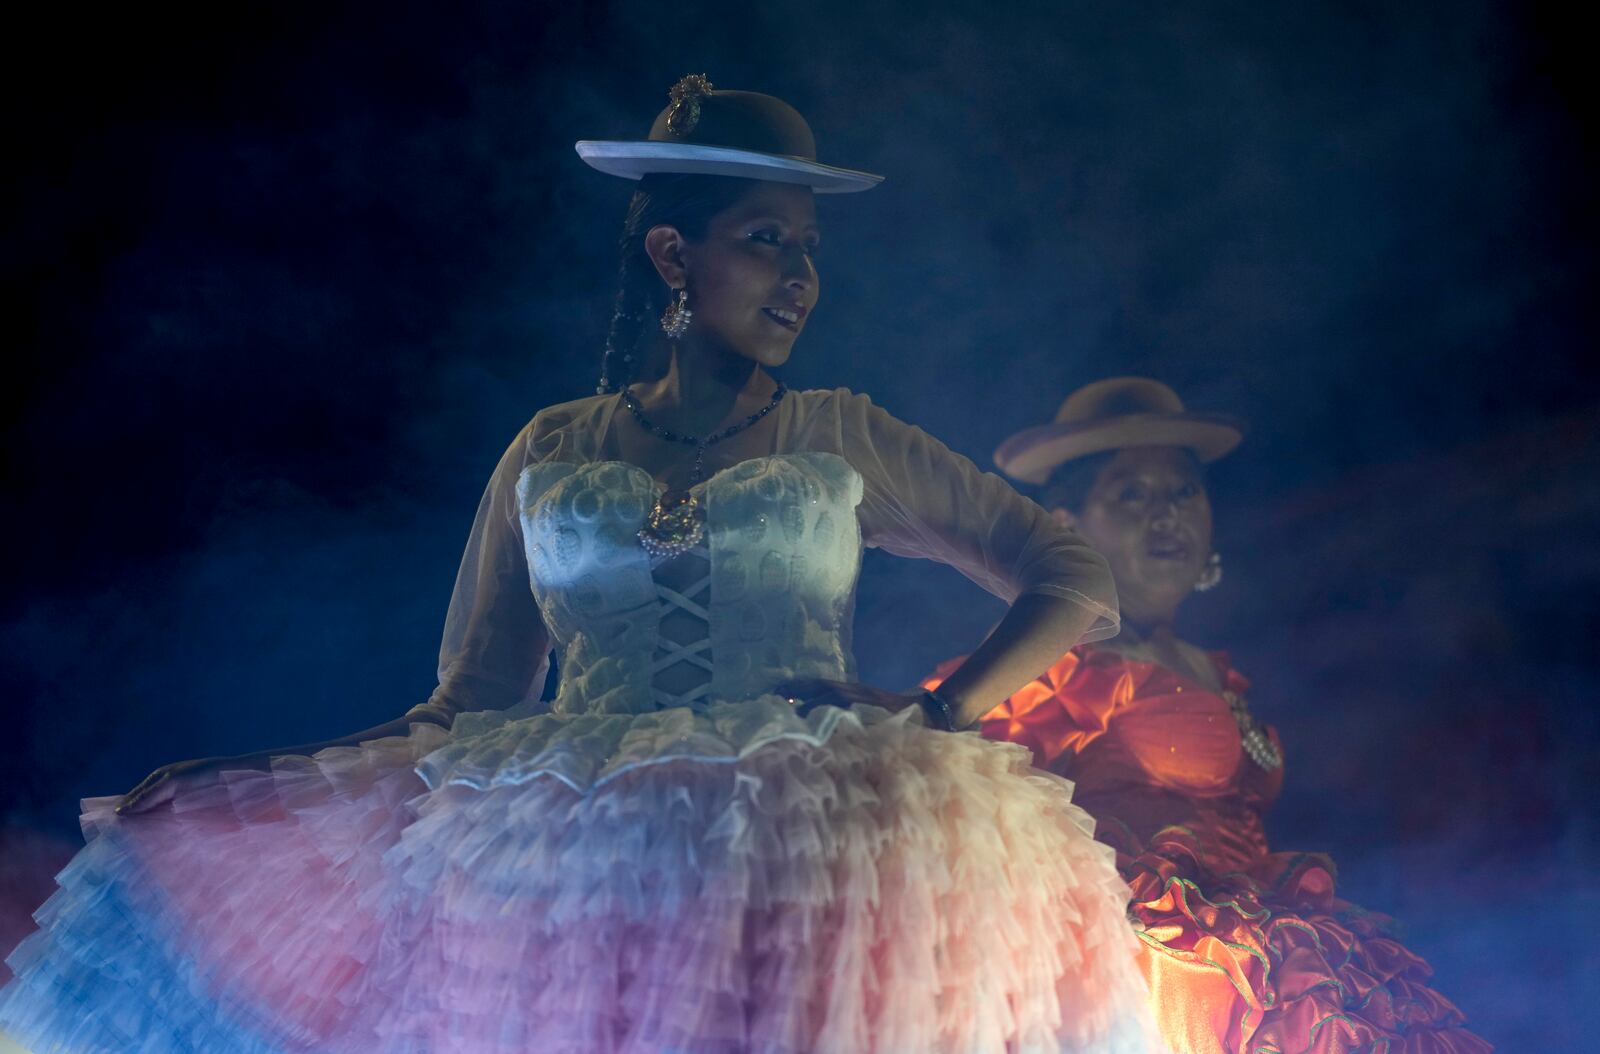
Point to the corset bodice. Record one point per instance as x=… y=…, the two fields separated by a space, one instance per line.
x=766 y=598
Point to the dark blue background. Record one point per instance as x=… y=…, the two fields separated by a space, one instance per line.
x=281 y=280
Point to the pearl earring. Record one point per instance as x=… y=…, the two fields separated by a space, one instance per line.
x=1211 y=576
x=675 y=320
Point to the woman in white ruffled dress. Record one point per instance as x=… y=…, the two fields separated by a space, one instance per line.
x=714 y=840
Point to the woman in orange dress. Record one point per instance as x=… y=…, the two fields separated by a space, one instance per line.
x=1246 y=951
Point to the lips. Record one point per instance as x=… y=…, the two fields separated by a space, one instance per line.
x=789 y=316
x=1167 y=548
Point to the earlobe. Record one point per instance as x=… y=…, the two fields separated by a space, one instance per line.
x=664 y=245
x=1063 y=517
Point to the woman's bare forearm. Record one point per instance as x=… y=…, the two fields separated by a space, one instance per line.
x=1035 y=633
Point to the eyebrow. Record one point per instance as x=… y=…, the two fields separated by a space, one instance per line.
x=756 y=217
x=1122 y=474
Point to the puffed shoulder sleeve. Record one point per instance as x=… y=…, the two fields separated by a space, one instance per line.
x=495 y=650
x=1059 y=712
x=922 y=499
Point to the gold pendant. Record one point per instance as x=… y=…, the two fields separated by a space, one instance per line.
x=675 y=526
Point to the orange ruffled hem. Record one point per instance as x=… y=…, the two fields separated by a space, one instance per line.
x=1270 y=961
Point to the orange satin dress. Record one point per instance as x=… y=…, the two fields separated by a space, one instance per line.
x=1246 y=951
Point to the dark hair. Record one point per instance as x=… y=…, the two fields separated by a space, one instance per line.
x=1069 y=485
x=687 y=202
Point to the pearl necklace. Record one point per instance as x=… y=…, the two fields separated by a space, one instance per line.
x=676 y=524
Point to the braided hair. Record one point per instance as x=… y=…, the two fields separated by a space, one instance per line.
x=687 y=202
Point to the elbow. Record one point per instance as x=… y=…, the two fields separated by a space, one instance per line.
x=1102 y=587
x=1085 y=578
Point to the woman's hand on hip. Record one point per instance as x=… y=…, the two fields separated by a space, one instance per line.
x=159 y=787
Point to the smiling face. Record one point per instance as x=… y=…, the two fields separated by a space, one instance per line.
x=751 y=278
x=1148 y=514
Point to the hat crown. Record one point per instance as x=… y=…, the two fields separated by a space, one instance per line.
x=1114 y=414
x=1118 y=397
x=740 y=120
x=736 y=134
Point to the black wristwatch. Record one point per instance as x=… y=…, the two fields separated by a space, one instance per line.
x=938 y=711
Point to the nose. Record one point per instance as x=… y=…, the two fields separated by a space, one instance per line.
x=799 y=274
x=1164 y=513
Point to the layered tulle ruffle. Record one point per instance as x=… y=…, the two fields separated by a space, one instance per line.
x=711 y=882
x=246 y=916
x=1268 y=960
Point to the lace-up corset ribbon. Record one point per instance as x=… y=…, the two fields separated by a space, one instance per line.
x=680 y=673
x=764 y=598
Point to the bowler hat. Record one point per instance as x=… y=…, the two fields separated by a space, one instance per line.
x=710 y=132
x=1110 y=415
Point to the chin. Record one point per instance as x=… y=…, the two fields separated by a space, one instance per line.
x=773 y=357
x=1170 y=581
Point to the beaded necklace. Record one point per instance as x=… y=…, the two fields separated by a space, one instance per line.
x=676 y=524
x=1254 y=736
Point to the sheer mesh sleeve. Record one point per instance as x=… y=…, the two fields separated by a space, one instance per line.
x=924 y=500
x=495 y=650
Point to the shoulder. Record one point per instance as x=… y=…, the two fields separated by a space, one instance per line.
x=828 y=400
x=548 y=447
x=852 y=413
x=559 y=427
x=565 y=415
x=1104 y=655
x=1231 y=678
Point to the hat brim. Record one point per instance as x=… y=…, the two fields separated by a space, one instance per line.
x=634 y=160
x=1031 y=455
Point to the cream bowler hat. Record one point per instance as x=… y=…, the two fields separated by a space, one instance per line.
x=1113 y=414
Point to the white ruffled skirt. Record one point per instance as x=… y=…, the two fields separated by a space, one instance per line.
x=737 y=880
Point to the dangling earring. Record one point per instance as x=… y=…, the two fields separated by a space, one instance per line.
x=1212 y=575
x=675 y=320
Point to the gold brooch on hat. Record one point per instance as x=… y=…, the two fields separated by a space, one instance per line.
x=686 y=96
